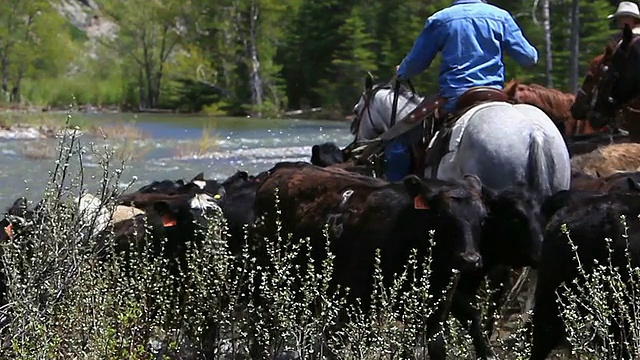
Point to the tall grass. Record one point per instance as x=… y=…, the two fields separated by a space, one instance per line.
x=67 y=301
x=61 y=91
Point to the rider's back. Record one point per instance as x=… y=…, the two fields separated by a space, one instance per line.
x=472 y=37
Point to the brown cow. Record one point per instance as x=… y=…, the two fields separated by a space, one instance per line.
x=366 y=213
x=608 y=160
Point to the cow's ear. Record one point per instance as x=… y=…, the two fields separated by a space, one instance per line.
x=199 y=177
x=633 y=184
x=19 y=206
x=413 y=185
x=474 y=183
x=243 y=175
x=189 y=187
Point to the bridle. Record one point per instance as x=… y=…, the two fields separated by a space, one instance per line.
x=596 y=88
x=368 y=96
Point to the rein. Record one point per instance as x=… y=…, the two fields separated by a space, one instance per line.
x=396 y=93
x=628 y=105
x=368 y=97
x=364 y=149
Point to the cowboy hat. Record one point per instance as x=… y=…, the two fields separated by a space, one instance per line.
x=626 y=8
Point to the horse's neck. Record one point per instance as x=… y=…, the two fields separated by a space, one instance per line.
x=379 y=115
x=385 y=105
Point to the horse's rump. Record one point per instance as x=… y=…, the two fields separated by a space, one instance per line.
x=493 y=140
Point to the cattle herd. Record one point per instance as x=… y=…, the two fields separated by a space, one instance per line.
x=480 y=232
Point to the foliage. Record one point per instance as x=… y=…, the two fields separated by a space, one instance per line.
x=257 y=57
x=66 y=299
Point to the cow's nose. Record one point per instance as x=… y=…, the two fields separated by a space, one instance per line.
x=471 y=260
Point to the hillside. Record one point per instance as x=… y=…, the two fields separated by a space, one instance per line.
x=86 y=16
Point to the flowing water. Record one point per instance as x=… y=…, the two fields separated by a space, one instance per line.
x=173 y=148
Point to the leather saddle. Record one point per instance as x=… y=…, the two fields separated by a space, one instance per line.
x=477 y=95
x=470 y=98
x=433 y=150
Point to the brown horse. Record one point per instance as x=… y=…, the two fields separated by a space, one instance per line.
x=610 y=93
x=555 y=103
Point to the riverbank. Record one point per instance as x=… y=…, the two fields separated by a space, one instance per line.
x=33 y=126
x=32 y=122
x=310 y=114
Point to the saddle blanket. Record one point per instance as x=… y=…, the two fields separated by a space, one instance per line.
x=447 y=171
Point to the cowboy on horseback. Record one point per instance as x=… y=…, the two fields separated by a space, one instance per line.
x=470 y=35
x=627 y=13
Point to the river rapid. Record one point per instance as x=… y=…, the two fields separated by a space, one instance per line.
x=172 y=147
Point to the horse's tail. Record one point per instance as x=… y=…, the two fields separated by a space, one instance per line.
x=538 y=167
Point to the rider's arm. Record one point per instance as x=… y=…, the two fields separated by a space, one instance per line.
x=517 y=46
x=424 y=50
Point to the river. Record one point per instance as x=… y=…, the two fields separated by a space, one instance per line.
x=165 y=152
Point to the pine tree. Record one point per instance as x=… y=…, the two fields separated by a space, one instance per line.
x=352 y=59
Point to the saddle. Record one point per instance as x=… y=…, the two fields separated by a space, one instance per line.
x=437 y=136
x=435 y=122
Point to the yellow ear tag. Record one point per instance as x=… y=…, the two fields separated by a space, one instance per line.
x=217 y=196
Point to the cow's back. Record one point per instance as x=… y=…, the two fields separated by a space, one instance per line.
x=306 y=192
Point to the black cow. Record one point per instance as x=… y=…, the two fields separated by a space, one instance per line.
x=512 y=237
x=327 y=154
x=17 y=220
x=617 y=182
x=179 y=220
x=365 y=213
x=330 y=155
x=590 y=219
x=238 y=196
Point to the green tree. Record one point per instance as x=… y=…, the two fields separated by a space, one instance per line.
x=149 y=32
x=34 y=42
x=353 y=58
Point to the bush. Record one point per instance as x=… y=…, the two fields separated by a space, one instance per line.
x=601 y=303
x=68 y=301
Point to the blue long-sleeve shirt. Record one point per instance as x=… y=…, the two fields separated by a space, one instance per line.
x=471 y=36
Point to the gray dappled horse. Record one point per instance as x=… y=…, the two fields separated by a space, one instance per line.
x=501 y=143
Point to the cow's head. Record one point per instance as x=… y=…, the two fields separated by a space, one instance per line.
x=327 y=154
x=459 y=211
x=513 y=232
x=17 y=221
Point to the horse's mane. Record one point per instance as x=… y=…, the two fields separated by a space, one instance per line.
x=404 y=91
x=554 y=102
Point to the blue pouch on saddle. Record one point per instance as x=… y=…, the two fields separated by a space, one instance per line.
x=397 y=161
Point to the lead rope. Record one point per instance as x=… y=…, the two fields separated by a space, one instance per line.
x=394 y=108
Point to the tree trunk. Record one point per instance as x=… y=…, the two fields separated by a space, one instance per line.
x=4 y=82
x=141 y=104
x=254 y=75
x=546 y=23
x=574 y=46
x=18 y=86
